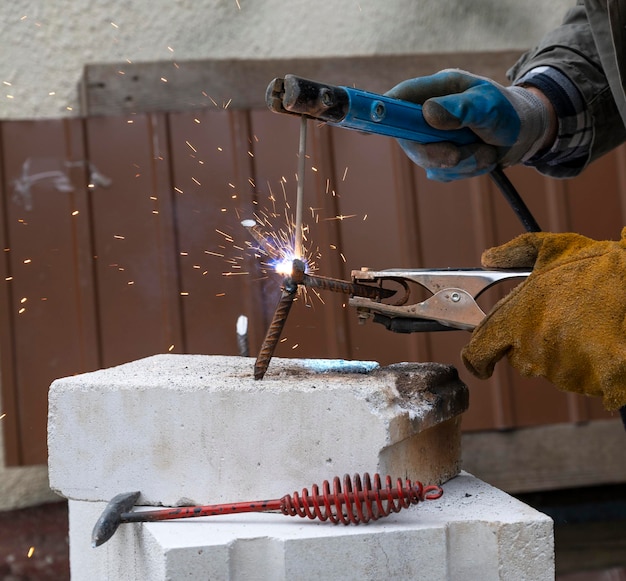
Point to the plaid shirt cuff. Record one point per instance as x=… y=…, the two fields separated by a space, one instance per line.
x=572 y=147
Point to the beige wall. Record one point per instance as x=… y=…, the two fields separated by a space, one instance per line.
x=45 y=43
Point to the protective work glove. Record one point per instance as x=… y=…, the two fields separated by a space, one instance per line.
x=510 y=122
x=566 y=322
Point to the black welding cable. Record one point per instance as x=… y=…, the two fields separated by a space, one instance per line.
x=515 y=200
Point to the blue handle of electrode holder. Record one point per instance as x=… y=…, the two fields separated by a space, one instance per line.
x=382 y=115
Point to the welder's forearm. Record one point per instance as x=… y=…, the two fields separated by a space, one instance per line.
x=551 y=133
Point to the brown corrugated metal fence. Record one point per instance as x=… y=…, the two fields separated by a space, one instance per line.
x=122 y=239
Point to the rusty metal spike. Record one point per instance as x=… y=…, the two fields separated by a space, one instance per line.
x=274 y=331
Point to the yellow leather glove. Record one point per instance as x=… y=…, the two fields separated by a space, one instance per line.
x=566 y=322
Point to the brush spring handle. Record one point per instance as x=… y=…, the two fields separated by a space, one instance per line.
x=357 y=500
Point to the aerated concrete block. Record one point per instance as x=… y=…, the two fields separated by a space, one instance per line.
x=195 y=429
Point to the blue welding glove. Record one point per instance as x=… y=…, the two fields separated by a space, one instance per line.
x=511 y=123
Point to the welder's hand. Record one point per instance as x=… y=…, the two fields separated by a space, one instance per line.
x=566 y=322
x=511 y=123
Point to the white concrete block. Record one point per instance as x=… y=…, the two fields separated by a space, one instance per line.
x=194 y=429
x=473 y=532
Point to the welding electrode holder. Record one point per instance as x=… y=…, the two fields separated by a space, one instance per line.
x=357 y=109
x=352 y=108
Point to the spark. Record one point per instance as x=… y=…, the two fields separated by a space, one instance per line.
x=118 y=237
x=228 y=237
x=75 y=213
x=28 y=260
x=345 y=173
x=2 y=416
x=342 y=217
x=191 y=147
x=171 y=347
x=238 y=5
x=114 y=25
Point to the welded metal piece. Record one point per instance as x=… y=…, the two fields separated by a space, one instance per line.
x=275 y=330
x=356 y=500
x=288 y=295
x=346 y=287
